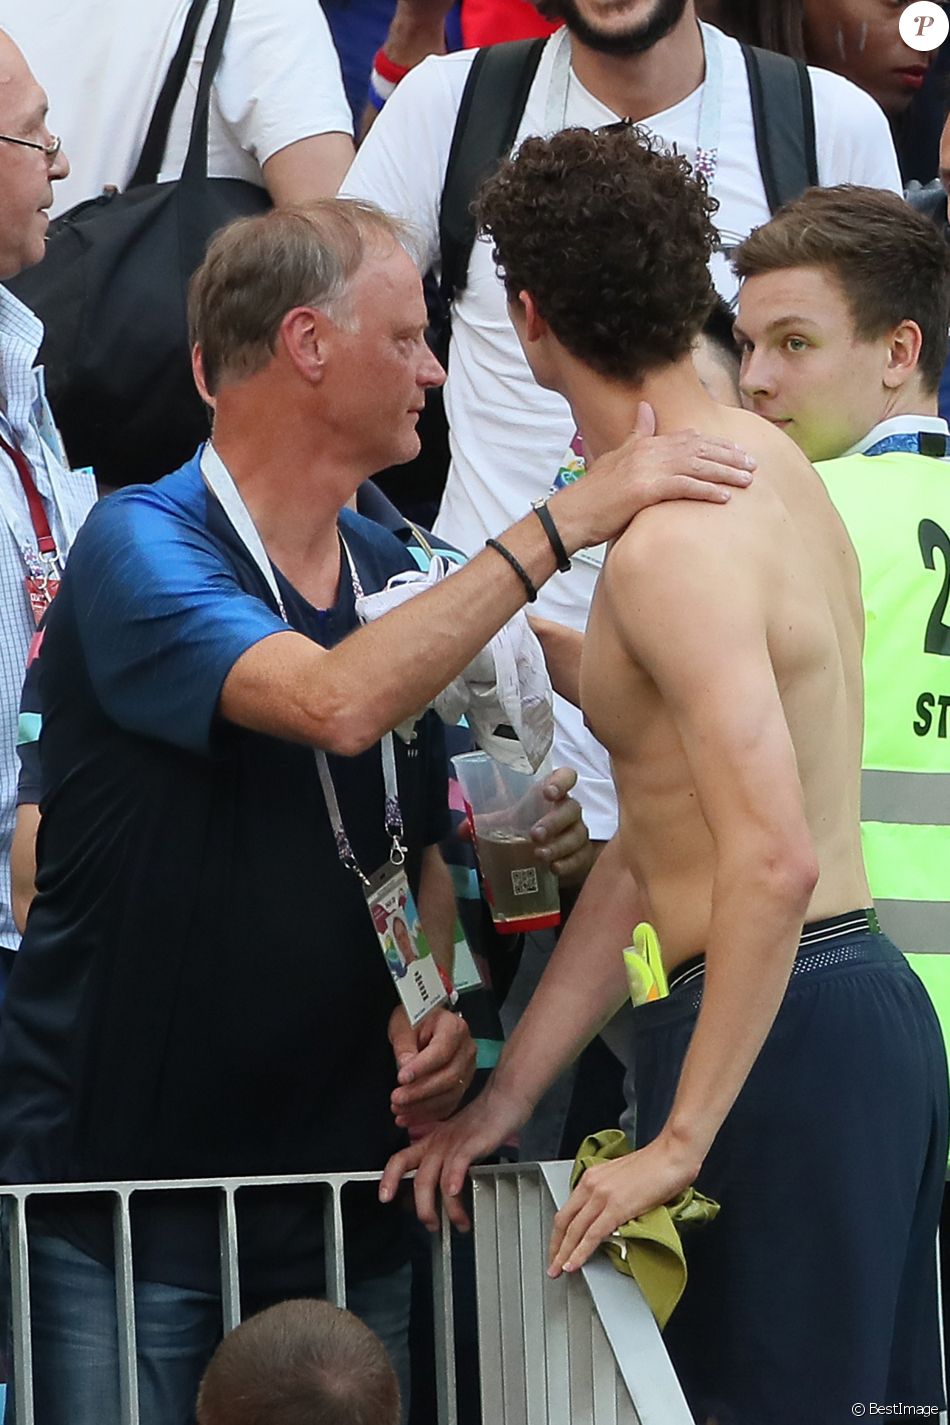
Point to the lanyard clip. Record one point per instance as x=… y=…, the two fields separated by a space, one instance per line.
x=397 y=854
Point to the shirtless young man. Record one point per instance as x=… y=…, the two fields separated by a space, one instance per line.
x=795 y=1075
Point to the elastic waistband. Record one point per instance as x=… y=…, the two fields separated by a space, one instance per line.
x=814 y=934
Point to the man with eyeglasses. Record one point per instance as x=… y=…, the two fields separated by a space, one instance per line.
x=42 y=502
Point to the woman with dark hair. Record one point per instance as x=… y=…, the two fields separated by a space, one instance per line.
x=770 y=24
x=859 y=39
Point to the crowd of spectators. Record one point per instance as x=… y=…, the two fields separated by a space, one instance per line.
x=201 y=780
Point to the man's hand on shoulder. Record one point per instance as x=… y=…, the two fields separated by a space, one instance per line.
x=646 y=470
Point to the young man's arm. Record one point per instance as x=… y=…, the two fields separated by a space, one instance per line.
x=583 y=985
x=562 y=648
x=702 y=637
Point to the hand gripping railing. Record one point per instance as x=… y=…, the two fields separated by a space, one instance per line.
x=584 y=1348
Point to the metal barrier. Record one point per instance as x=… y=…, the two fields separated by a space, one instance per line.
x=584 y=1348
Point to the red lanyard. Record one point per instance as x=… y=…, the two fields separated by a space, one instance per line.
x=45 y=543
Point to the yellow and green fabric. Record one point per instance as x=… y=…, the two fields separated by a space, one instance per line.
x=648 y=1248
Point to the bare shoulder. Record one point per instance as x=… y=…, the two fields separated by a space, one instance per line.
x=693 y=539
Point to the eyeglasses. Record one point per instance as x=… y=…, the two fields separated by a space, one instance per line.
x=51 y=149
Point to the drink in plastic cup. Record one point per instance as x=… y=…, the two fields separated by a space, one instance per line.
x=503 y=805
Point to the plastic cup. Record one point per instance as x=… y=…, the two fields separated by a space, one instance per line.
x=503 y=805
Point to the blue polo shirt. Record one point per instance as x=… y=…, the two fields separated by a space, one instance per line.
x=200 y=990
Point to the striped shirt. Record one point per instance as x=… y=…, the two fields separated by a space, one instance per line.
x=25 y=421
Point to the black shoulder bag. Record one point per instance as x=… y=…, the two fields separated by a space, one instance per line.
x=112 y=292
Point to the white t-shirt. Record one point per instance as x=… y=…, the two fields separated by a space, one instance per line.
x=508 y=436
x=102 y=64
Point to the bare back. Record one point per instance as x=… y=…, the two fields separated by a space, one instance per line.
x=776 y=578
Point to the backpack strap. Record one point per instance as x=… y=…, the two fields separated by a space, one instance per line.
x=156 y=138
x=493 y=101
x=196 y=159
x=783 y=114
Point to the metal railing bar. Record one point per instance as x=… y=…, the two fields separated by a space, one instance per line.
x=533 y=1264
x=511 y=1300
x=581 y=1365
x=484 y=1207
x=605 y=1375
x=556 y=1355
x=25 y=1190
x=125 y=1310
x=443 y=1309
x=626 y=1414
x=230 y=1266
x=20 y=1293
x=630 y=1328
x=333 y=1253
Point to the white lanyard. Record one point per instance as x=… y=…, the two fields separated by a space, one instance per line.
x=710 y=104
x=219 y=481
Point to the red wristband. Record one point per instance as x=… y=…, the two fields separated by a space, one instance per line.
x=388 y=69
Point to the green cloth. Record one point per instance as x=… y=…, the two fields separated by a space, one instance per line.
x=648 y=1247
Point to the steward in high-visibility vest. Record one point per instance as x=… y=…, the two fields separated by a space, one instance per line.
x=896 y=507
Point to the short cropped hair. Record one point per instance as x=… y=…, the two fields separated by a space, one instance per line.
x=612 y=238
x=258 y=269
x=300 y=1363
x=891 y=262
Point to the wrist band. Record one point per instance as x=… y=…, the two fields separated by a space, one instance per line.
x=540 y=508
x=388 y=69
x=385 y=75
x=515 y=564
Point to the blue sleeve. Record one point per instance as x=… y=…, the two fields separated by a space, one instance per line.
x=438 y=822
x=28 y=738
x=161 y=615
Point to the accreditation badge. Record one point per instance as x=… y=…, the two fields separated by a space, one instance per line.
x=403 y=942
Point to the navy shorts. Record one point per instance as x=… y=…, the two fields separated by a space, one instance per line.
x=816 y=1286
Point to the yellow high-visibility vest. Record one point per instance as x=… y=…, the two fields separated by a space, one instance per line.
x=896 y=507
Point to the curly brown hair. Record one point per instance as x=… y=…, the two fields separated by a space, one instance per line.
x=612 y=237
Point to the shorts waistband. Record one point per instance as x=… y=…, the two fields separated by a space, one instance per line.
x=815 y=934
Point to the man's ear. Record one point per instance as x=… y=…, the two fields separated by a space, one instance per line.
x=304 y=334
x=535 y=325
x=198 y=372
x=903 y=358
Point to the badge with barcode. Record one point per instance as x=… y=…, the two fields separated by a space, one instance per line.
x=403 y=942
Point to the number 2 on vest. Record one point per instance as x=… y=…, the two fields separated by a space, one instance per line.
x=932 y=538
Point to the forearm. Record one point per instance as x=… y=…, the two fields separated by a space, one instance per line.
x=582 y=987
x=417 y=30
x=437 y=908
x=344 y=699
x=753 y=936
x=309 y=169
x=23 y=861
x=562 y=647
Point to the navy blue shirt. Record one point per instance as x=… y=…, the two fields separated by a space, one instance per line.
x=200 y=990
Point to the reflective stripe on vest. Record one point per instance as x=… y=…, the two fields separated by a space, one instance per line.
x=896 y=508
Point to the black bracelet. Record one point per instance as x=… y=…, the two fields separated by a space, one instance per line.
x=519 y=568
x=540 y=508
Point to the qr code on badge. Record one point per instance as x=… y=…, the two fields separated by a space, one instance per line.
x=524 y=883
